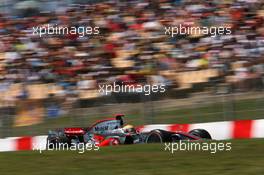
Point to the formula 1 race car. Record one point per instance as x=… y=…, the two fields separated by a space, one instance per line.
x=113 y=132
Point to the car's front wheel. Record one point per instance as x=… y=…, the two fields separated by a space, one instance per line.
x=201 y=133
x=158 y=136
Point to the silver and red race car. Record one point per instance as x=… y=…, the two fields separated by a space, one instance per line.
x=113 y=131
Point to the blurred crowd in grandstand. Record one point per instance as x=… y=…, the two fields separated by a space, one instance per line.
x=131 y=47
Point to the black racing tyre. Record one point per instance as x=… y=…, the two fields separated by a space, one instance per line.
x=54 y=142
x=129 y=140
x=50 y=143
x=158 y=136
x=176 y=137
x=201 y=133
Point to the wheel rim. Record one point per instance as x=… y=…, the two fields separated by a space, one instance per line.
x=154 y=138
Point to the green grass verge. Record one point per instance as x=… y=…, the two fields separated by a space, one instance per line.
x=246 y=157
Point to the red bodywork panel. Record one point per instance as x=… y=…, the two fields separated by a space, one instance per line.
x=108 y=142
x=105 y=142
x=74 y=131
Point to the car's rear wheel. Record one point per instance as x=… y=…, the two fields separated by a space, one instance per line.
x=201 y=133
x=57 y=142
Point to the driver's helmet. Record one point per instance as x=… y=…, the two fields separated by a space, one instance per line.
x=129 y=129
